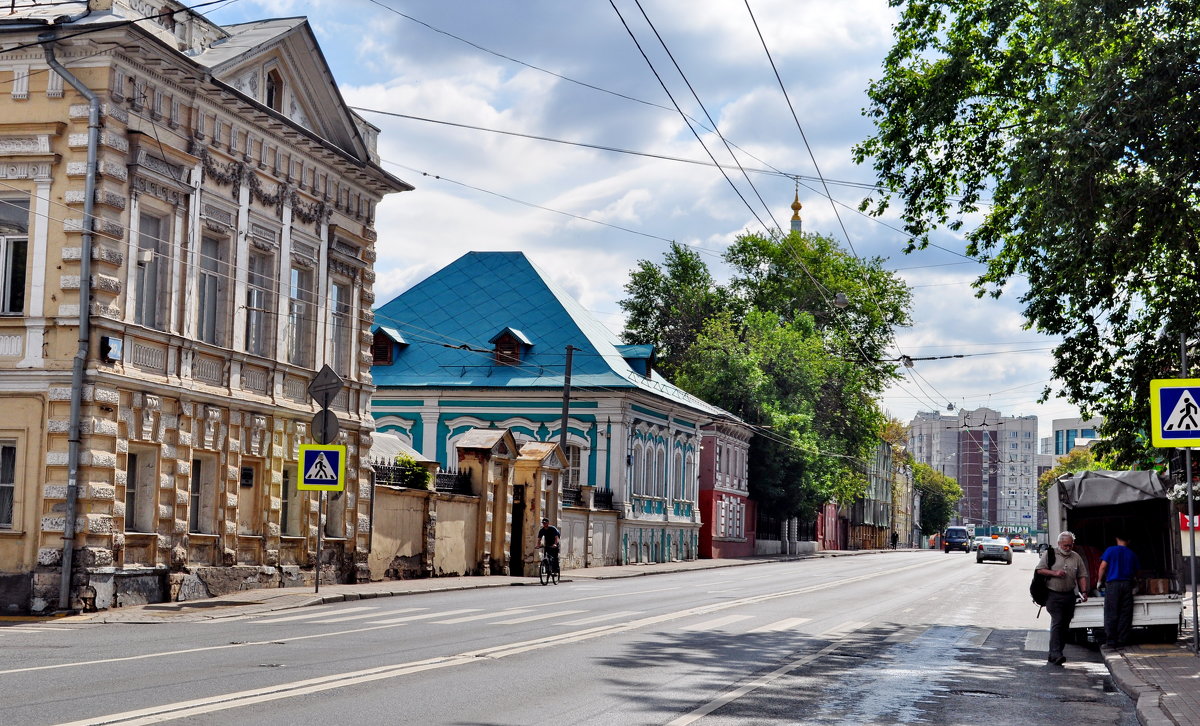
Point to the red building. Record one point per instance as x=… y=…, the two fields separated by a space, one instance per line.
x=727 y=514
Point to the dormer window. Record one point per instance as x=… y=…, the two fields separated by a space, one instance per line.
x=508 y=351
x=509 y=346
x=383 y=345
x=275 y=90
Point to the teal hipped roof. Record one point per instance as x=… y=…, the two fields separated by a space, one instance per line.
x=450 y=317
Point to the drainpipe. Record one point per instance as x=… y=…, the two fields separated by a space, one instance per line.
x=85 y=305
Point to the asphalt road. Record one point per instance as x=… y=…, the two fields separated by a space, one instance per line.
x=890 y=638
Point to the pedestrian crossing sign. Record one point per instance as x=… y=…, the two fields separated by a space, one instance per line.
x=1175 y=412
x=322 y=468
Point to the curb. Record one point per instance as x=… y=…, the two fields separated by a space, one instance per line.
x=1147 y=696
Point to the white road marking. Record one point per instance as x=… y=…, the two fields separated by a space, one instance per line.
x=602 y=618
x=220 y=702
x=310 y=616
x=714 y=624
x=426 y=616
x=839 y=631
x=483 y=616
x=754 y=685
x=539 y=616
x=363 y=616
x=780 y=625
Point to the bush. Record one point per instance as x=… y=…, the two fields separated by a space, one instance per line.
x=411 y=474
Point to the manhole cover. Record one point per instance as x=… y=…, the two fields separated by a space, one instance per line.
x=979 y=694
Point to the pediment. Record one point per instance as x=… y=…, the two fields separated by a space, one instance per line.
x=278 y=64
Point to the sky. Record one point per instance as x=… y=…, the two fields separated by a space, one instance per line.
x=570 y=71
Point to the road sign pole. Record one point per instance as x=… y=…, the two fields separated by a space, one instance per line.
x=320 y=531
x=1187 y=475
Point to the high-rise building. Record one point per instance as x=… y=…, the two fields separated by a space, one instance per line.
x=991 y=456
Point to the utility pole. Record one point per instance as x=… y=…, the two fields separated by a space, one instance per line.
x=562 y=432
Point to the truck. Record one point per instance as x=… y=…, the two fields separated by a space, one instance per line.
x=1096 y=506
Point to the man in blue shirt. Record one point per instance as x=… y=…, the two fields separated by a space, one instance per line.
x=1118 y=567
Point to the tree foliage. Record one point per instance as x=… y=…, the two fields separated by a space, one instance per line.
x=1070 y=129
x=939 y=496
x=770 y=348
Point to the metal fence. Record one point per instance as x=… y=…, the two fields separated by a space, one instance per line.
x=453 y=482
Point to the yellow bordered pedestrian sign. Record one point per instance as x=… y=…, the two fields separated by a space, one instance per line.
x=1175 y=412
x=322 y=468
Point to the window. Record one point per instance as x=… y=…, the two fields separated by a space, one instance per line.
x=335 y=515
x=289 y=512
x=302 y=318
x=249 y=507
x=140 y=476
x=636 y=472
x=210 y=293
x=679 y=473
x=150 y=286
x=8 y=482
x=14 y=241
x=574 y=456
x=275 y=90
x=382 y=349
x=202 y=499
x=258 y=304
x=342 y=328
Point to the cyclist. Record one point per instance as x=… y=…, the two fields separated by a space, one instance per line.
x=548 y=537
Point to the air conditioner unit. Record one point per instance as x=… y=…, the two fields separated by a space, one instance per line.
x=145 y=257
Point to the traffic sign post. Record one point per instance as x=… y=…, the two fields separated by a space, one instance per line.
x=322 y=466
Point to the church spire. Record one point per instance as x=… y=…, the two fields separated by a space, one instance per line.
x=796 y=207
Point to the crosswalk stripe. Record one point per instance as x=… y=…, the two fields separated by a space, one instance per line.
x=363 y=616
x=780 y=625
x=540 y=616
x=714 y=624
x=426 y=616
x=482 y=616
x=308 y=616
x=844 y=628
x=907 y=634
x=603 y=617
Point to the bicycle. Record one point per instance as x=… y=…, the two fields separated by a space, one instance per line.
x=548 y=570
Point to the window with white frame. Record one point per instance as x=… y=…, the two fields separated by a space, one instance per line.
x=14 y=243
x=151 y=280
x=574 y=457
x=689 y=478
x=141 y=474
x=341 y=308
x=210 y=290
x=202 y=496
x=679 y=475
x=635 y=475
x=259 y=288
x=660 y=470
x=302 y=317
x=8 y=482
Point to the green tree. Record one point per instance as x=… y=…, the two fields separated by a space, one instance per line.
x=1069 y=128
x=412 y=474
x=939 y=495
x=1081 y=458
x=806 y=274
x=669 y=304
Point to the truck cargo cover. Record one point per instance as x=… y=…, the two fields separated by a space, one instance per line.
x=1098 y=488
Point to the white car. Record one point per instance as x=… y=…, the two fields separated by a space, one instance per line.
x=993 y=548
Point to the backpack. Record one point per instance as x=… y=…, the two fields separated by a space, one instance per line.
x=1038 y=589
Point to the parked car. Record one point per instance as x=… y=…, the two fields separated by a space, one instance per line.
x=1017 y=543
x=956 y=538
x=994 y=548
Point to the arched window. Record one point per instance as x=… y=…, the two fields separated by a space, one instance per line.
x=689 y=478
x=635 y=477
x=678 y=475
x=660 y=471
x=275 y=90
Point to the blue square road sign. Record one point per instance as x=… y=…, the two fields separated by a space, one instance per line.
x=322 y=468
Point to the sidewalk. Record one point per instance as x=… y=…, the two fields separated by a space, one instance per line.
x=1161 y=678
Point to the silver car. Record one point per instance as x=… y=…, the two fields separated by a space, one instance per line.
x=993 y=548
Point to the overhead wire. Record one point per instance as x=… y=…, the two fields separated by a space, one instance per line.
x=666 y=90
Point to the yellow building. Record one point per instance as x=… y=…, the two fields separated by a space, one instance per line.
x=148 y=440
